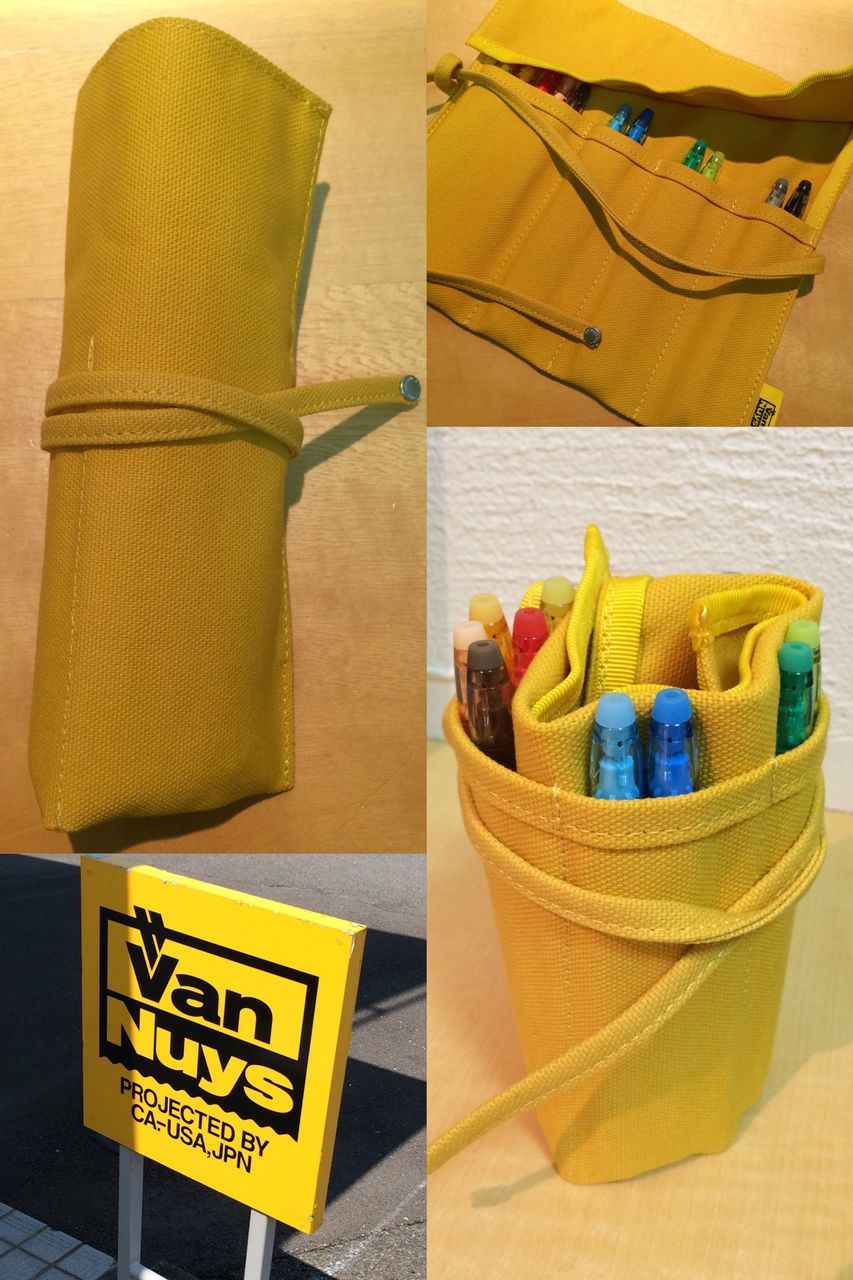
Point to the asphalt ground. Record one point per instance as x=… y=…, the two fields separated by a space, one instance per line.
x=61 y=1174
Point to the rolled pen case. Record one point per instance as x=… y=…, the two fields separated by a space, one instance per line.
x=489 y=699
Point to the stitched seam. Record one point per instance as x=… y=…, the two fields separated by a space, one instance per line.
x=292 y=87
x=750 y=809
x=764 y=363
x=297 y=275
x=642 y=933
x=694 y=286
x=609 y=254
x=288 y=665
x=71 y=636
x=503 y=263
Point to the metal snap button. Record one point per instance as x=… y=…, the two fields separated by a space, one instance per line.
x=410 y=388
x=592 y=337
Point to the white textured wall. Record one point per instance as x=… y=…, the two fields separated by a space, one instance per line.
x=508 y=506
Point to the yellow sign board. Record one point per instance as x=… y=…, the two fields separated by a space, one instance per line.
x=216 y=1028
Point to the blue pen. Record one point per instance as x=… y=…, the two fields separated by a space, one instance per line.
x=620 y=118
x=640 y=127
x=615 y=760
x=673 y=756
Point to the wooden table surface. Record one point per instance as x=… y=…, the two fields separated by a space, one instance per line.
x=355 y=530
x=776 y=1204
x=473 y=382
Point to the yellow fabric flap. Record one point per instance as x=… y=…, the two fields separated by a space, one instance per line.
x=604 y=42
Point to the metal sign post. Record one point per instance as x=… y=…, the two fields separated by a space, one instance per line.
x=129 y=1267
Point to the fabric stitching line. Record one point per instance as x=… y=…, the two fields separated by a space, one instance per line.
x=665 y=348
x=645 y=932
x=288 y=665
x=503 y=263
x=309 y=203
x=257 y=60
x=748 y=810
x=712 y=962
x=609 y=254
x=71 y=636
x=764 y=364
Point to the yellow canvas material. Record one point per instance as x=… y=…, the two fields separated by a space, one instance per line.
x=163 y=677
x=645 y=942
x=607 y=264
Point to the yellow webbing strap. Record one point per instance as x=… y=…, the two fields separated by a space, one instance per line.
x=616 y=639
x=711 y=934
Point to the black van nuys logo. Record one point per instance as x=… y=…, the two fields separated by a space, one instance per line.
x=220 y=1025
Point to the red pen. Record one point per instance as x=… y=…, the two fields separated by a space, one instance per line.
x=529 y=633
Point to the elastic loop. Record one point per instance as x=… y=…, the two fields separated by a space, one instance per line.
x=91 y=409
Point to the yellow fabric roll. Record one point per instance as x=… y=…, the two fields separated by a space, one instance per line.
x=606 y=263
x=645 y=943
x=163 y=675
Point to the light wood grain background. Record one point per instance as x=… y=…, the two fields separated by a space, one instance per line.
x=472 y=382
x=355 y=529
x=776 y=1204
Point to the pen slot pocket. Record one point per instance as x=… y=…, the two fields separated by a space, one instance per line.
x=608 y=264
x=645 y=942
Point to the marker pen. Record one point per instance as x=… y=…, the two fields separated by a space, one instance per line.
x=556 y=600
x=566 y=89
x=620 y=118
x=548 y=81
x=486 y=608
x=695 y=156
x=673 y=759
x=529 y=633
x=796 y=206
x=712 y=167
x=580 y=99
x=615 y=760
x=489 y=698
x=796 y=680
x=808 y=632
x=640 y=128
x=777 y=195
x=464 y=635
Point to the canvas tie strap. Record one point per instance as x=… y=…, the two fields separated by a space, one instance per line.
x=709 y=934
x=450 y=76
x=89 y=409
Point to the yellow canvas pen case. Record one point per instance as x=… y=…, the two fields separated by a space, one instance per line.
x=645 y=943
x=164 y=668
x=607 y=263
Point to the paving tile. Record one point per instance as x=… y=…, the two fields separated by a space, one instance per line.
x=17 y=1227
x=50 y=1245
x=17 y=1265
x=4 y=1209
x=4 y=1247
x=86 y=1263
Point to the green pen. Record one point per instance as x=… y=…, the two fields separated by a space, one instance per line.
x=796 y=674
x=696 y=154
x=713 y=166
x=809 y=633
